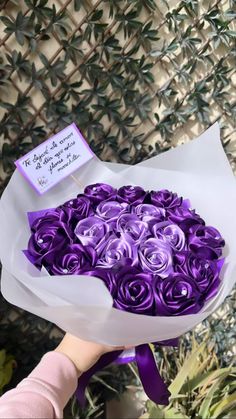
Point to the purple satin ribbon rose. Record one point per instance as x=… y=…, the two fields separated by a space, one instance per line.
x=47 y=218
x=70 y=260
x=131 y=194
x=134 y=291
x=77 y=209
x=184 y=217
x=99 y=192
x=47 y=238
x=156 y=256
x=109 y=211
x=206 y=242
x=177 y=295
x=91 y=231
x=170 y=233
x=115 y=253
x=147 y=211
x=205 y=273
x=165 y=199
x=132 y=228
x=107 y=276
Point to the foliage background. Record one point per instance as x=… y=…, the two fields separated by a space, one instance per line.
x=137 y=77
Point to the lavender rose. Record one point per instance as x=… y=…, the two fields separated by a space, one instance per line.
x=206 y=242
x=107 y=276
x=147 y=212
x=134 y=291
x=110 y=211
x=177 y=295
x=165 y=199
x=99 y=192
x=170 y=233
x=91 y=231
x=117 y=252
x=70 y=260
x=131 y=194
x=132 y=228
x=156 y=256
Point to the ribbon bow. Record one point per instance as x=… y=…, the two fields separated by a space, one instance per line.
x=153 y=384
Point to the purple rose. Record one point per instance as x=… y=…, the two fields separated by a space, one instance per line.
x=206 y=242
x=131 y=194
x=132 y=228
x=185 y=218
x=147 y=212
x=156 y=256
x=107 y=276
x=170 y=233
x=77 y=209
x=117 y=252
x=99 y=192
x=91 y=231
x=110 y=210
x=134 y=291
x=177 y=295
x=165 y=199
x=47 y=218
x=47 y=238
x=70 y=260
x=204 y=272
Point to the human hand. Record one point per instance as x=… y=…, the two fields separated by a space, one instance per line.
x=82 y=353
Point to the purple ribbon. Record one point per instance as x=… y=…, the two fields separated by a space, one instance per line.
x=153 y=384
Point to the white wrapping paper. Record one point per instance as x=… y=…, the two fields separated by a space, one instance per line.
x=198 y=170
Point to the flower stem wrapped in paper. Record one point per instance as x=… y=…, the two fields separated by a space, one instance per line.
x=126 y=265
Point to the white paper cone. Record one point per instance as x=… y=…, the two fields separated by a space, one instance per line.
x=198 y=170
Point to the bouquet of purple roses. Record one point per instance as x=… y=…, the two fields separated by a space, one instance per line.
x=125 y=265
x=153 y=252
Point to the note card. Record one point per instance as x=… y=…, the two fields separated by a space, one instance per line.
x=55 y=158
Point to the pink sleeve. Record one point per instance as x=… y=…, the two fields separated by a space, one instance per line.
x=45 y=392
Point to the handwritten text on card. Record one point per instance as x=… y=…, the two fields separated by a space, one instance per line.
x=55 y=159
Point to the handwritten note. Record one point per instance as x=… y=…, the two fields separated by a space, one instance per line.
x=56 y=158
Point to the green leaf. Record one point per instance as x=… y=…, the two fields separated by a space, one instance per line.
x=174 y=413
x=205 y=379
x=223 y=406
x=78 y=4
x=177 y=384
x=204 y=409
